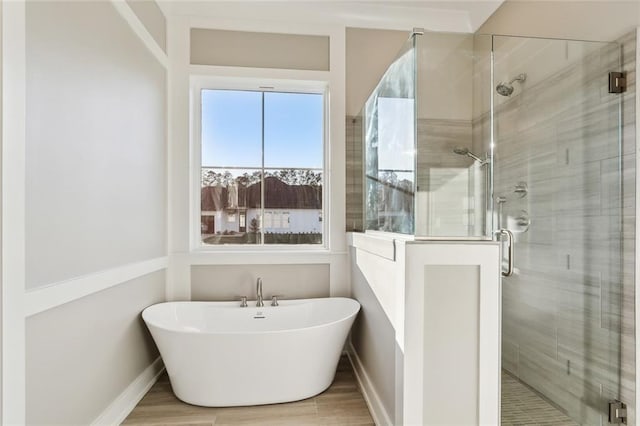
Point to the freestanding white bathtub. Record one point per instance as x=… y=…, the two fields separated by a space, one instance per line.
x=218 y=354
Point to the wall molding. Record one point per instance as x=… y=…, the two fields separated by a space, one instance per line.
x=45 y=298
x=377 y=410
x=141 y=31
x=120 y=408
x=349 y=14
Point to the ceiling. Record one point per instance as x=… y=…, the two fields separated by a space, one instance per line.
x=448 y=16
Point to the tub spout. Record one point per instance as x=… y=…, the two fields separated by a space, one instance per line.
x=259 y=302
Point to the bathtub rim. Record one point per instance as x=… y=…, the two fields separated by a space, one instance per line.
x=250 y=332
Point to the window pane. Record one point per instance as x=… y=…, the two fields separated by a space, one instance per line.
x=230 y=206
x=293 y=206
x=268 y=220
x=235 y=184
x=293 y=130
x=231 y=128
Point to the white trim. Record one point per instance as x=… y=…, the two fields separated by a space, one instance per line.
x=120 y=408
x=13 y=211
x=167 y=148
x=195 y=164
x=42 y=299
x=239 y=73
x=141 y=31
x=179 y=164
x=379 y=414
x=335 y=187
x=486 y=257
x=261 y=257
x=165 y=8
x=309 y=17
x=251 y=80
x=377 y=245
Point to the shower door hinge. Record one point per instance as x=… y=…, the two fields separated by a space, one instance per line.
x=617 y=82
x=617 y=412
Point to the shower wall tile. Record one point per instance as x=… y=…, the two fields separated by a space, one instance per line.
x=568 y=312
x=545 y=374
x=446 y=180
x=354 y=174
x=437 y=165
x=510 y=357
x=436 y=141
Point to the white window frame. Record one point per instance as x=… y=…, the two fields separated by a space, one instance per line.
x=199 y=83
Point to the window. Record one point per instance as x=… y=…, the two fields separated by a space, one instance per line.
x=268 y=220
x=262 y=159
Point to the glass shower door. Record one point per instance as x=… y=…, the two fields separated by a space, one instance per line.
x=557 y=161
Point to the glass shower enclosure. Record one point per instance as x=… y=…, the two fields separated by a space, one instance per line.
x=469 y=136
x=422 y=174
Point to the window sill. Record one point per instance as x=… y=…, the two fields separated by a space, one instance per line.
x=272 y=248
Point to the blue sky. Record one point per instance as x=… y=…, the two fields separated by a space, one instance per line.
x=232 y=129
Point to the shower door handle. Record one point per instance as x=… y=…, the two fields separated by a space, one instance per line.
x=509 y=235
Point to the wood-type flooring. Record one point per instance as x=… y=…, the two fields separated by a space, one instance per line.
x=340 y=405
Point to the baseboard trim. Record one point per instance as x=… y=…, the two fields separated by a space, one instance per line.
x=120 y=408
x=377 y=410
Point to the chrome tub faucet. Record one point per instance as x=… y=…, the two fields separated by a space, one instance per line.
x=259 y=302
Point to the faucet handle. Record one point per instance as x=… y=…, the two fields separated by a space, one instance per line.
x=243 y=302
x=274 y=300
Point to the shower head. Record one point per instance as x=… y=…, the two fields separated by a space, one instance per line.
x=506 y=89
x=465 y=151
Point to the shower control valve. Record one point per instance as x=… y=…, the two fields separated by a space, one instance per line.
x=521 y=189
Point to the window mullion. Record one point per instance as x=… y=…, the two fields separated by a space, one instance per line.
x=262 y=221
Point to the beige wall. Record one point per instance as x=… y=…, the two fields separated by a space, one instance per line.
x=369 y=54
x=80 y=356
x=583 y=20
x=445 y=70
x=95 y=201
x=229 y=282
x=373 y=336
x=96 y=152
x=259 y=50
